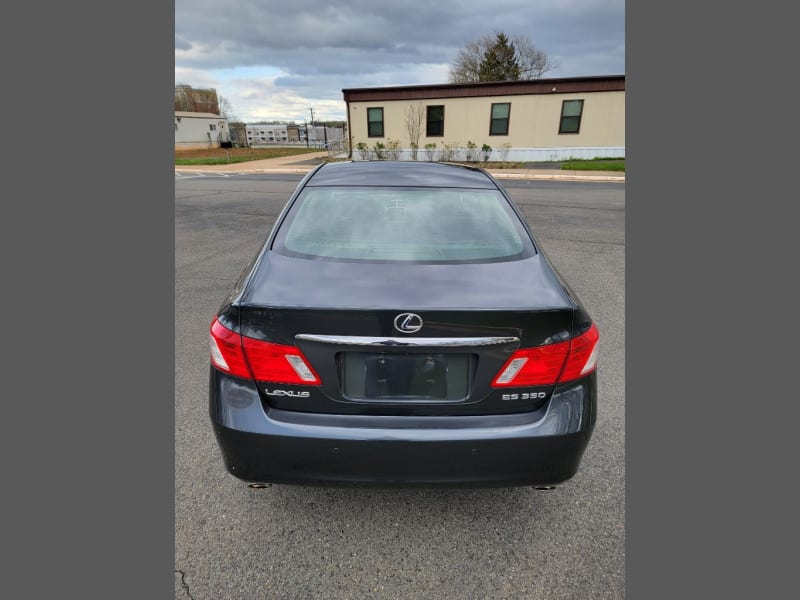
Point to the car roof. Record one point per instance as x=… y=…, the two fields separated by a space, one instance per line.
x=400 y=174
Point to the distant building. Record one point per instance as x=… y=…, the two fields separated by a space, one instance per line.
x=541 y=119
x=200 y=130
x=272 y=134
x=260 y=133
x=294 y=133
x=189 y=99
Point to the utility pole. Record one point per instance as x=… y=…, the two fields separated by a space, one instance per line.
x=324 y=128
x=306 y=123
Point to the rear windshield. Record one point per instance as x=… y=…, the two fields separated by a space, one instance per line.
x=403 y=224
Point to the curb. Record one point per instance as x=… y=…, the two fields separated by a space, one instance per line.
x=553 y=177
x=245 y=171
x=495 y=174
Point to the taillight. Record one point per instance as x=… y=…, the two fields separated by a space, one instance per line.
x=278 y=363
x=582 y=357
x=533 y=366
x=255 y=359
x=227 y=353
x=546 y=365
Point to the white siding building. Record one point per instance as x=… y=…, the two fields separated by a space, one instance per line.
x=288 y=134
x=274 y=134
x=199 y=130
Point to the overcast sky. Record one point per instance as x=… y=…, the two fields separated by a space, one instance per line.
x=276 y=59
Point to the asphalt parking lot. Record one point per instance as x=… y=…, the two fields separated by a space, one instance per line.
x=298 y=542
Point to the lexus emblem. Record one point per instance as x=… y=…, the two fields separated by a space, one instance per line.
x=408 y=323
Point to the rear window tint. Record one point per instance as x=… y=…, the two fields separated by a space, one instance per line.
x=403 y=224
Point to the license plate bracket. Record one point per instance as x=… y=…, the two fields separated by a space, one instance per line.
x=406 y=377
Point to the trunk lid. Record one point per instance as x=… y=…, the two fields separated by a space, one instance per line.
x=368 y=367
x=344 y=317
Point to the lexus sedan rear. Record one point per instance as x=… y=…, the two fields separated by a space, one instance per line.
x=402 y=326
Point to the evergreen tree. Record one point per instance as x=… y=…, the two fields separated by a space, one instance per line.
x=532 y=62
x=499 y=62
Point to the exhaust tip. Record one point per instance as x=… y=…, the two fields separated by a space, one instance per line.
x=258 y=486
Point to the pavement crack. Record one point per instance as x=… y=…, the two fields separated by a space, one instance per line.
x=605 y=208
x=597 y=242
x=184 y=584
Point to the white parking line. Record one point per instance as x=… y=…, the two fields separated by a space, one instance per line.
x=197 y=174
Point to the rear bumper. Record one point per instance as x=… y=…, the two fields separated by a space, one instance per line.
x=540 y=448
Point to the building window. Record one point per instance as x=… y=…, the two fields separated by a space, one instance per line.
x=571 y=111
x=375 y=122
x=499 y=121
x=212 y=127
x=435 y=121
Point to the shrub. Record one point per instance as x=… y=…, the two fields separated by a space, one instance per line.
x=363 y=150
x=486 y=149
x=469 y=153
x=449 y=151
x=430 y=150
x=380 y=150
x=393 y=149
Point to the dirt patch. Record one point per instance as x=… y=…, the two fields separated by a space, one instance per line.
x=234 y=155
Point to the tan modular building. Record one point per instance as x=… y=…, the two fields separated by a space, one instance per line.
x=543 y=119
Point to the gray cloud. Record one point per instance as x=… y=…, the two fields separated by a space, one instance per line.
x=322 y=47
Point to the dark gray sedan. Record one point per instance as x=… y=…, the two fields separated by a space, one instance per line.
x=401 y=326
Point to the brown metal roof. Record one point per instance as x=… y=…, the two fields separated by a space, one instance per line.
x=600 y=83
x=197 y=115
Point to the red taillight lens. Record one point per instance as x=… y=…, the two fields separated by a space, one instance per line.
x=227 y=353
x=546 y=365
x=279 y=364
x=582 y=355
x=533 y=366
x=255 y=359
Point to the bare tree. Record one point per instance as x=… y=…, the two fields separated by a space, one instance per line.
x=415 y=113
x=226 y=108
x=533 y=62
x=467 y=65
